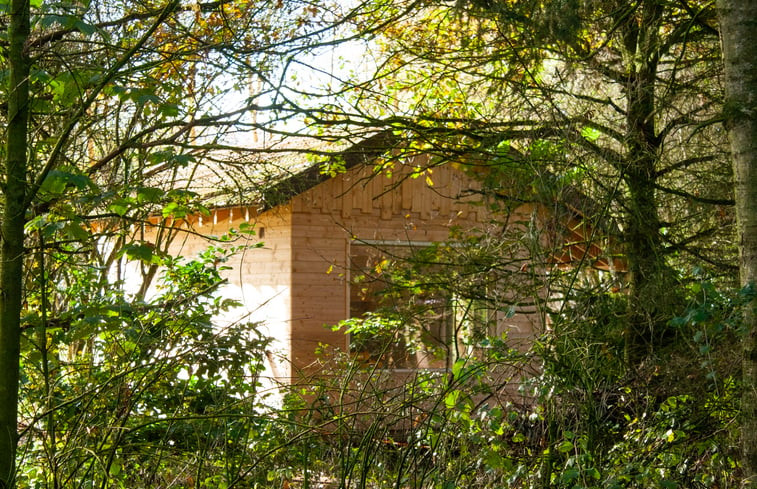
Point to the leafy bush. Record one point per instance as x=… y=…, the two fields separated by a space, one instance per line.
x=131 y=394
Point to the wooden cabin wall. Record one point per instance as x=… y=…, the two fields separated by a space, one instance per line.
x=359 y=207
x=297 y=285
x=259 y=277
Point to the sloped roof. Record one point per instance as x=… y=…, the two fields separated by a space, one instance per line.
x=266 y=178
x=269 y=176
x=363 y=153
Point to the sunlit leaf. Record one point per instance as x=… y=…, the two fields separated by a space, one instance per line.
x=565 y=446
x=142 y=251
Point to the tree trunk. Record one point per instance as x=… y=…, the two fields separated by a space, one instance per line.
x=653 y=290
x=738 y=25
x=642 y=223
x=12 y=247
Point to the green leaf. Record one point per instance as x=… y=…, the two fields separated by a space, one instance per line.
x=174 y=209
x=149 y=195
x=81 y=182
x=169 y=110
x=51 y=19
x=565 y=446
x=36 y=223
x=590 y=134
x=84 y=328
x=120 y=206
x=68 y=22
x=700 y=315
x=84 y=28
x=144 y=98
x=160 y=156
x=677 y=322
x=142 y=251
x=53 y=184
x=117 y=90
x=181 y=195
x=57 y=181
x=74 y=230
x=183 y=160
x=450 y=400
x=457 y=367
x=570 y=475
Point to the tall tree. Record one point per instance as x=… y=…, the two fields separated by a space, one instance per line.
x=738 y=26
x=13 y=220
x=617 y=98
x=112 y=108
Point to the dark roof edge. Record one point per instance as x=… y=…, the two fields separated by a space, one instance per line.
x=366 y=151
x=361 y=153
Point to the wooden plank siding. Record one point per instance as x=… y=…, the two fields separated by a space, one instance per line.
x=259 y=277
x=354 y=207
x=297 y=284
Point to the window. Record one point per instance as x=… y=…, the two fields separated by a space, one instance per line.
x=427 y=305
x=398 y=321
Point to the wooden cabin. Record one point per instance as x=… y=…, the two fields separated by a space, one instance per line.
x=317 y=229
